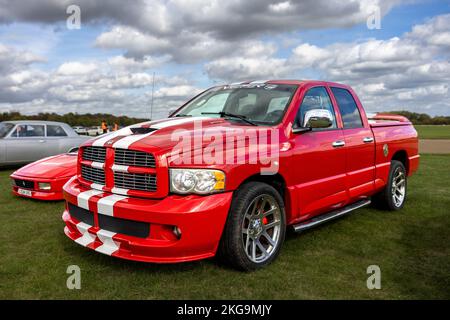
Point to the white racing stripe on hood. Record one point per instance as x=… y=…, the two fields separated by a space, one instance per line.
x=100 y=142
x=258 y=81
x=124 y=143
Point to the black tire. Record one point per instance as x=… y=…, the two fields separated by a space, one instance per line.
x=235 y=246
x=386 y=199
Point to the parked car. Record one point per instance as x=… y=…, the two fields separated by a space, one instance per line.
x=80 y=130
x=44 y=179
x=138 y=195
x=27 y=141
x=94 y=131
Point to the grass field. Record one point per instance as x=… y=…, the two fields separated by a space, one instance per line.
x=411 y=247
x=433 y=132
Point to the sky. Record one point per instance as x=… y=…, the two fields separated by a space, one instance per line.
x=394 y=53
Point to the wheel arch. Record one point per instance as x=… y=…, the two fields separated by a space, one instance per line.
x=278 y=182
x=402 y=156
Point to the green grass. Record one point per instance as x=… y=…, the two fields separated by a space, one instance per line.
x=433 y=132
x=411 y=247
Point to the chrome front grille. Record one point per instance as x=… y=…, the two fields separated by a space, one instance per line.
x=135 y=181
x=97 y=154
x=134 y=158
x=93 y=174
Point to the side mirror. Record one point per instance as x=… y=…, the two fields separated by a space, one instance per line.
x=315 y=119
x=320 y=122
x=318 y=118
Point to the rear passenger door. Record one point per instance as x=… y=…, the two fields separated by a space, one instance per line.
x=56 y=140
x=359 y=144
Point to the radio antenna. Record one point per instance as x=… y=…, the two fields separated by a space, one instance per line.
x=151 y=104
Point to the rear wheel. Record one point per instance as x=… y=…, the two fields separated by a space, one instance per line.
x=393 y=195
x=255 y=227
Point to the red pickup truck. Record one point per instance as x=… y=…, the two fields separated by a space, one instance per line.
x=231 y=169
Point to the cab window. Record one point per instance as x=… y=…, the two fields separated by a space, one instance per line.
x=348 y=108
x=316 y=98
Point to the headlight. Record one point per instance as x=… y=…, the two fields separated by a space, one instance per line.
x=44 y=186
x=201 y=181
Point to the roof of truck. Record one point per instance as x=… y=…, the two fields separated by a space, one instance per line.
x=290 y=81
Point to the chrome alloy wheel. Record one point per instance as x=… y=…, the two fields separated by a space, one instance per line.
x=261 y=228
x=398 y=187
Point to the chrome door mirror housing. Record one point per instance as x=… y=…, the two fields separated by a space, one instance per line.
x=318 y=119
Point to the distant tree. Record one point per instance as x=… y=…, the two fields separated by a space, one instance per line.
x=423 y=118
x=74 y=119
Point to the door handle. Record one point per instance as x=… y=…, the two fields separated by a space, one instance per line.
x=338 y=144
x=368 y=139
x=41 y=141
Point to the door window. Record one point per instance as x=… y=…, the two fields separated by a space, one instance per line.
x=55 y=131
x=316 y=98
x=28 y=130
x=348 y=108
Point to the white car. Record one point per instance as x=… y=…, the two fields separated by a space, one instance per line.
x=80 y=130
x=95 y=131
x=27 y=141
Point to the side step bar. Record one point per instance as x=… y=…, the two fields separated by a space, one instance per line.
x=330 y=215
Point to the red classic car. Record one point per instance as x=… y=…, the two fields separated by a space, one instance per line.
x=44 y=179
x=202 y=182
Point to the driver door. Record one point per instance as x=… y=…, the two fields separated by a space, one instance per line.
x=320 y=158
x=26 y=143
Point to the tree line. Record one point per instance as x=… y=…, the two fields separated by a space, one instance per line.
x=74 y=119
x=95 y=119
x=423 y=118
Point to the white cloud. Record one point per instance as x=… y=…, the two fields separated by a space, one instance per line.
x=181 y=91
x=76 y=68
x=228 y=42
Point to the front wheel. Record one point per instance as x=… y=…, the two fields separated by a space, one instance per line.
x=393 y=195
x=255 y=227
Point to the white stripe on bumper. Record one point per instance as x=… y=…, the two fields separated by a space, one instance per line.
x=106 y=205
x=109 y=246
x=83 y=198
x=86 y=237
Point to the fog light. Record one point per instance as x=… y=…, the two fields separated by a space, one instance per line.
x=177 y=232
x=44 y=186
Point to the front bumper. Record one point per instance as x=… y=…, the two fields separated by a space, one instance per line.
x=200 y=219
x=54 y=194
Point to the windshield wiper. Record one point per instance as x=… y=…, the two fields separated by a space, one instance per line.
x=231 y=115
x=183 y=115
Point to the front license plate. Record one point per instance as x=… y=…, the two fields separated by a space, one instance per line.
x=24 y=192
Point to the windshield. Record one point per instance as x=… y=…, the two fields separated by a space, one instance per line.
x=261 y=103
x=5 y=128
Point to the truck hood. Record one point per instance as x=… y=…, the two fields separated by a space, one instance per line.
x=165 y=134
x=59 y=166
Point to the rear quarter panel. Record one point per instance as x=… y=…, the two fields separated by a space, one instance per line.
x=402 y=137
